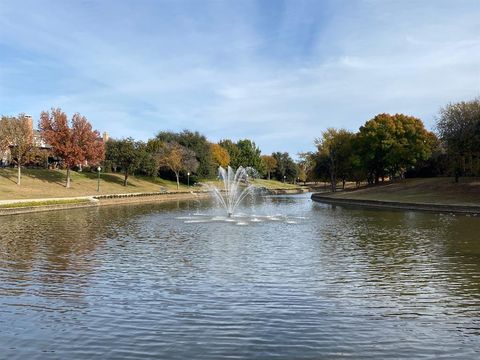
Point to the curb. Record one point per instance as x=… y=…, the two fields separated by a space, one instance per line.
x=444 y=208
x=42 y=208
x=100 y=200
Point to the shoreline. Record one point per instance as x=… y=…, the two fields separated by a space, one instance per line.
x=397 y=205
x=118 y=199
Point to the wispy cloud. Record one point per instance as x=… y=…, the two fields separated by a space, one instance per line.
x=276 y=72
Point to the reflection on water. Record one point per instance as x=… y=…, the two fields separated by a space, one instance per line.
x=148 y=281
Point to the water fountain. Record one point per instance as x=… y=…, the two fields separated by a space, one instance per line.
x=235 y=188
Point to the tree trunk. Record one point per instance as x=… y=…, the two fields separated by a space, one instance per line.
x=125 y=180
x=269 y=175
x=333 y=175
x=19 y=172
x=333 y=181
x=68 y=177
x=178 y=180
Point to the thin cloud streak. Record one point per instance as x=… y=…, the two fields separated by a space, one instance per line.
x=279 y=74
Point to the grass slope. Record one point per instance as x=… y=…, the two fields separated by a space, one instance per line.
x=434 y=190
x=270 y=184
x=42 y=183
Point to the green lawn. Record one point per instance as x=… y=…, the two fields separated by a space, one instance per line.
x=42 y=183
x=270 y=184
x=433 y=190
x=274 y=184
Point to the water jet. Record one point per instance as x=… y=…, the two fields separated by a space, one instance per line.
x=235 y=188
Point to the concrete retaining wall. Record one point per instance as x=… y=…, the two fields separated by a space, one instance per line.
x=464 y=209
x=32 y=209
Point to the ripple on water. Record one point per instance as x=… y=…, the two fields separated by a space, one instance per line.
x=183 y=281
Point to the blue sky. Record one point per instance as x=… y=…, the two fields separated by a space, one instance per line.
x=277 y=72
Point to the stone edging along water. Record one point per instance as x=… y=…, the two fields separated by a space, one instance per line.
x=114 y=199
x=95 y=200
x=41 y=208
x=450 y=208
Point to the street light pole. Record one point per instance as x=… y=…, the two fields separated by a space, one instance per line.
x=98 y=178
x=188 y=179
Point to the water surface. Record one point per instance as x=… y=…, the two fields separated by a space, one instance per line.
x=145 y=281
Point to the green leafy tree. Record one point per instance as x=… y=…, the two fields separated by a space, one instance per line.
x=124 y=154
x=336 y=145
x=389 y=144
x=147 y=165
x=249 y=155
x=436 y=165
x=306 y=166
x=198 y=144
x=321 y=167
x=269 y=164
x=357 y=170
x=243 y=153
x=233 y=152
x=302 y=173
x=287 y=169
x=458 y=126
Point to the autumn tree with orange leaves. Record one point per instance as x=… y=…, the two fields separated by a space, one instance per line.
x=220 y=155
x=75 y=142
x=177 y=158
x=269 y=164
x=16 y=133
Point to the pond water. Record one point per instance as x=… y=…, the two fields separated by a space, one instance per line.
x=172 y=281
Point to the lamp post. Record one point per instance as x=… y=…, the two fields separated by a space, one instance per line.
x=284 y=178
x=98 y=178
x=188 y=179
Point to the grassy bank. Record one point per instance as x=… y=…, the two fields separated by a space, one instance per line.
x=269 y=184
x=433 y=190
x=43 y=203
x=41 y=184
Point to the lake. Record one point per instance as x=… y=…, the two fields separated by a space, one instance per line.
x=290 y=279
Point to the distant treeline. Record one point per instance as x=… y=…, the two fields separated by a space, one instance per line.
x=178 y=154
x=398 y=146
x=385 y=147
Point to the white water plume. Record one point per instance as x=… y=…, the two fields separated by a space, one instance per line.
x=235 y=188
